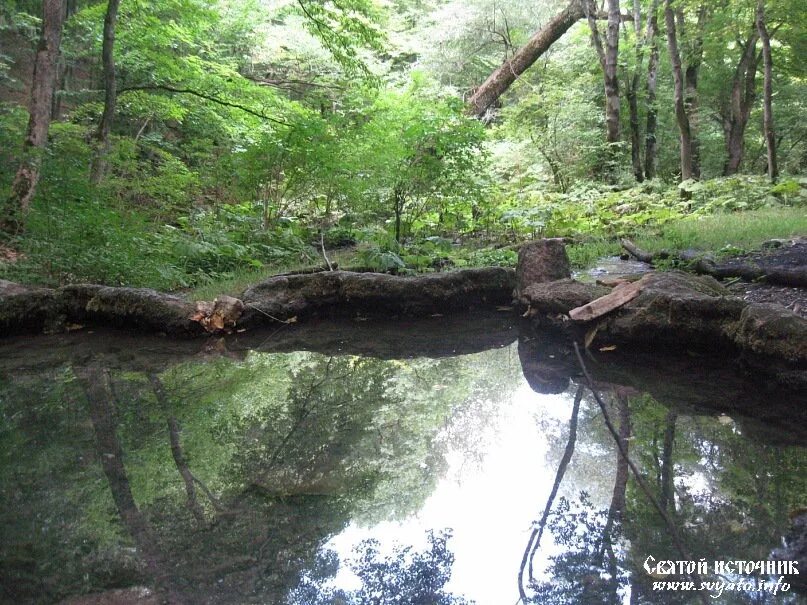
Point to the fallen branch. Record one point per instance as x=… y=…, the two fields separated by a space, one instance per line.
x=641 y=255
x=704 y=264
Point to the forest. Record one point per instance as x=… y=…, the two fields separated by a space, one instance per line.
x=424 y=375
x=197 y=147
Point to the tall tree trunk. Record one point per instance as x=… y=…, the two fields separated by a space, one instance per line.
x=94 y=380
x=174 y=431
x=608 y=55
x=767 y=92
x=64 y=69
x=501 y=79
x=741 y=100
x=652 y=110
x=633 y=93
x=44 y=80
x=681 y=116
x=611 y=79
x=617 y=507
x=667 y=499
x=99 y=164
x=96 y=384
x=693 y=64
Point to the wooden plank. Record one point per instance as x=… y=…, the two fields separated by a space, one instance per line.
x=619 y=296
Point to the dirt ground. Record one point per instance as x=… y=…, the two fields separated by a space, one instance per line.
x=777 y=253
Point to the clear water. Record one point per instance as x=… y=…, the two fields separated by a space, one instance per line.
x=376 y=463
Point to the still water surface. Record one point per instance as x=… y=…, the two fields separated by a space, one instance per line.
x=370 y=464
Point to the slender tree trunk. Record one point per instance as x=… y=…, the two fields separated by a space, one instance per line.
x=608 y=55
x=64 y=70
x=667 y=499
x=691 y=73
x=652 y=110
x=633 y=93
x=398 y=201
x=685 y=134
x=617 y=507
x=501 y=79
x=100 y=400
x=767 y=92
x=99 y=164
x=741 y=100
x=44 y=80
x=611 y=80
x=95 y=381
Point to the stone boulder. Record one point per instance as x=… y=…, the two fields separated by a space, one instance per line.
x=558 y=297
x=541 y=261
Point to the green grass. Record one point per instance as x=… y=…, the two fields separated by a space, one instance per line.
x=585 y=254
x=728 y=232
x=238 y=281
x=743 y=230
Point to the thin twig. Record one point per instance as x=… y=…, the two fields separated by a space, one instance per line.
x=283 y=321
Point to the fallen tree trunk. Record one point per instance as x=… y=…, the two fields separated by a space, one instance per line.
x=279 y=299
x=501 y=79
x=704 y=264
x=508 y=72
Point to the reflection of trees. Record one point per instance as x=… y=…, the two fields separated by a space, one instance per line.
x=404 y=577
x=588 y=570
x=695 y=481
x=534 y=542
x=226 y=477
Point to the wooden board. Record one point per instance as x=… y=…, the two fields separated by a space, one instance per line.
x=619 y=296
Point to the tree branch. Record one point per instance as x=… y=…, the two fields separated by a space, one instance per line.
x=206 y=97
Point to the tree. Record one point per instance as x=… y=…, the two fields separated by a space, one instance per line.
x=650 y=156
x=608 y=56
x=36 y=138
x=414 y=149
x=681 y=114
x=741 y=100
x=767 y=92
x=500 y=80
x=110 y=93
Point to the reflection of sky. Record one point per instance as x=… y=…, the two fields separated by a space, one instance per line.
x=490 y=506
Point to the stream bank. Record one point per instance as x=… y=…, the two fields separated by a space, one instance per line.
x=657 y=311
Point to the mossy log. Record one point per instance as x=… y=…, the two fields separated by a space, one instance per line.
x=279 y=299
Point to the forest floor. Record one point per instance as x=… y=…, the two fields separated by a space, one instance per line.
x=784 y=256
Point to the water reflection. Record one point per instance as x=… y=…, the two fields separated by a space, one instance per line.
x=239 y=475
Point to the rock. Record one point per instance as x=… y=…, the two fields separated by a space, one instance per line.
x=559 y=297
x=541 y=261
x=139 y=308
x=678 y=309
x=545 y=365
x=375 y=294
x=772 y=331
